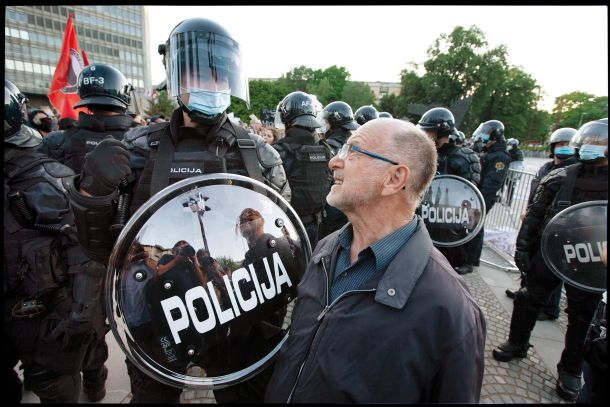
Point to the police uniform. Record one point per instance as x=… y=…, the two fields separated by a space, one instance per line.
x=306 y=165
x=47 y=281
x=587 y=183
x=161 y=154
x=462 y=162
x=70 y=146
x=494 y=169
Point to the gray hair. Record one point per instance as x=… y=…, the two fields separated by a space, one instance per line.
x=409 y=145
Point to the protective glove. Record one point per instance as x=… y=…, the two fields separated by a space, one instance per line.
x=595 y=352
x=522 y=260
x=105 y=166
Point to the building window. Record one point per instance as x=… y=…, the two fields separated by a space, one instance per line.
x=56 y=25
x=39 y=22
x=48 y=23
x=47 y=8
x=19 y=65
x=10 y=64
x=28 y=67
x=55 y=9
x=63 y=11
x=31 y=19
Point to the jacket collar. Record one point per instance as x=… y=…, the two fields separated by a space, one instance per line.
x=397 y=282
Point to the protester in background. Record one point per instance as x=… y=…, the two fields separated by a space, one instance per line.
x=381 y=317
x=268 y=135
x=65 y=123
x=40 y=121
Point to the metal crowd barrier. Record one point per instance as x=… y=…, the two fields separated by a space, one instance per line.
x=504 y=220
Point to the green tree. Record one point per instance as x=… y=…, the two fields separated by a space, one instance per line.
x=163 y=104
x=388 y=103
x=337 y=77
x=357 y=94
x=323 y=90
x=263 y=95
x=576 y=108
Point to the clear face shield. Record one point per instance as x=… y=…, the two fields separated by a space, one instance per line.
x=322 y=118
x=481 y=133
x=278 y=119
x=205 y=61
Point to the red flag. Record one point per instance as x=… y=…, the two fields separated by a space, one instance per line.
x=62 y=94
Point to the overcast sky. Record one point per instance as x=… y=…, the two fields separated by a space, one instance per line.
x=565 y=48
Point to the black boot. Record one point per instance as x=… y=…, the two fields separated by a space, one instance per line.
x=507 y=351
x=94 y=385
x=465 y=269
x=568 y=384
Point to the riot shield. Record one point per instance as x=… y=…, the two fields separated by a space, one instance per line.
x=572 y=242
x=453 y=210
x=201 y=279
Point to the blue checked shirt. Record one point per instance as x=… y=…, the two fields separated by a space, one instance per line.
x=374 y=259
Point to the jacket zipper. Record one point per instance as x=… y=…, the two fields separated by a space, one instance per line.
x=319 y=319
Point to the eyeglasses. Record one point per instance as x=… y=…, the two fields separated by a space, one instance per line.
x=346 y=148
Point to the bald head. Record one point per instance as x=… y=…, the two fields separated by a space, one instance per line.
x=404 y=143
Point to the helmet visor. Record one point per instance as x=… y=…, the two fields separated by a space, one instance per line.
x=278 y=118
x=205 y=61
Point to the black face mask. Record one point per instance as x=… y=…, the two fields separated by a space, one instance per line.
x=45 y=124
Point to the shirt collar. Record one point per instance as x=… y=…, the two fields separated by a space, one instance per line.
x=385 y=249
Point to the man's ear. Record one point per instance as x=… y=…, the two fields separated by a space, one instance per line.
x=396 y=180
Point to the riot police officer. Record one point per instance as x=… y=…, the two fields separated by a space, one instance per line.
x=438 y=123
x=105 y=92
x=386 y=115
x=494 y=169
x=561 y=188
x=338 y=122
x=305 y=160
x=198 y=139
x=365 y=113
x=516 y=163
x=562 y=155
x=51 y=296
x=461 y=139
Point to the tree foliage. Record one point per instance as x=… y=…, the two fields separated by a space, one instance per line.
x=357 y=94
x=577 y=108
x=461 y=65
x=163 y=104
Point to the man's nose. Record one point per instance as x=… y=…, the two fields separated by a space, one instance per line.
x=335 y=162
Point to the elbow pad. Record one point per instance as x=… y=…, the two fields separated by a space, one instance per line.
x=93 y=216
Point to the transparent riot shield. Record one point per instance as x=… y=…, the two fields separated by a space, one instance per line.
x=202 y=280
x=572 y=242
x=453 y=210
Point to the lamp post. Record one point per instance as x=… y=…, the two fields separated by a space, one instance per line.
x=199 y=208
x=580 y=120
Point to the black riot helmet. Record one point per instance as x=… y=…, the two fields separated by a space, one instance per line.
x=563 y=134
x=15 y=117
x=297 y=109
x=386 y=115
x=591 y=136
x=439 y=120
x=203 y=61
x=365 y=113
x=15 y=109
x=490 y=130
x=104 y=86
x=461 y=138
x=338 y=114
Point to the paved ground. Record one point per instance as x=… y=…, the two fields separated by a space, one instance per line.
x=530 y=380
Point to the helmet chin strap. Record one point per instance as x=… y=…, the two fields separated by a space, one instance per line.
x=199 y=117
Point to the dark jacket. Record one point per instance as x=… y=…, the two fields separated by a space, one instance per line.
x=515 y=154
x=460 y=161
x=544 y=170
x=591 y=184
x=413 y=334
x=494 y=169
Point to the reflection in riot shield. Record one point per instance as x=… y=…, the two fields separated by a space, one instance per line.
x=203 y=291
x=453 y=210
x=572 y=243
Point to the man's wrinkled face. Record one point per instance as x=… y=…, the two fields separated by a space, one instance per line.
x=357 y=178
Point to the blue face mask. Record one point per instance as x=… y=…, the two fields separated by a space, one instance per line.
x=589 y=152
x=322 y=129
x=209 y=103
x=485 y=138
x=564 y=151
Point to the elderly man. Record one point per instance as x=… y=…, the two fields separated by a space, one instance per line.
x=381 y=316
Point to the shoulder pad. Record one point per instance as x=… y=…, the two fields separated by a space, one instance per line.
x=54 y=138
x=267 y=155
x=137 y=137
x=58 y=170
x=557 y=173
